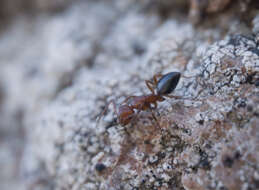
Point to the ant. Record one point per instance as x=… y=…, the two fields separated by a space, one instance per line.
x=132 y=105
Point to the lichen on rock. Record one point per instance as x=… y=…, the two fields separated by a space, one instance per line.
x=94 y=52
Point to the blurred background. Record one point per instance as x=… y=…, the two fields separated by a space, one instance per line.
x=22 y=30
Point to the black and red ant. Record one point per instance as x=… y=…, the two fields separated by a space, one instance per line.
x=132 y=105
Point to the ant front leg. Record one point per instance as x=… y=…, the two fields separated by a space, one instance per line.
x=105 y=110
x=126 y=100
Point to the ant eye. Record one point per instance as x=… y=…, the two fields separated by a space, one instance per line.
x=168 y=83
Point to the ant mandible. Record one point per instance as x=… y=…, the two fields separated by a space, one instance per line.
x=134 y=104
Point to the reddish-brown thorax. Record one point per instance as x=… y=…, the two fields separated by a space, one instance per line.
x=141 y=103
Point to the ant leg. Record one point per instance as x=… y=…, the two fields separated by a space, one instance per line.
x=152 y=85
x=105 y=110
x=171 y=96
x=197 y=78
x=182 y=76
x=196 y=97
x=151 y=88
x=179 y=97
x=135 y=117
x=154 y=117
x=127 y=99
x=155 y=78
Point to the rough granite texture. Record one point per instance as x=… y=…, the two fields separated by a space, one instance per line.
x=59 y=71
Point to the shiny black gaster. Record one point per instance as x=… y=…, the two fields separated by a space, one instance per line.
x=168 y=83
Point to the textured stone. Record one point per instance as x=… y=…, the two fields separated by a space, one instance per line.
x=58 y=72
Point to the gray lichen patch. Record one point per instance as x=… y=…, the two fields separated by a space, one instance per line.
x=188 y=145
x=232 y=65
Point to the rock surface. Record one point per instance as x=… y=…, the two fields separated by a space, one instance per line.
x=59 y=71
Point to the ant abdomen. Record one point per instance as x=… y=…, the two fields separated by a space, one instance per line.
x=167 y=83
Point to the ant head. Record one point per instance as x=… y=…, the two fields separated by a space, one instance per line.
x=168 y=83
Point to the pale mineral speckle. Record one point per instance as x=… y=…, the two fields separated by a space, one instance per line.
x=97 y=157
x=159 y=170
x=167 y=167
x=165 y=177
x=152 y=179
x=153 y=159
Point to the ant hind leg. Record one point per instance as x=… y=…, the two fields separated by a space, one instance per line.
x=150 y=86
x=188 y=77
x=171 y=96
x=155 y=118
x=155 y=78
x=182 y=98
